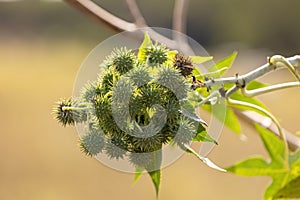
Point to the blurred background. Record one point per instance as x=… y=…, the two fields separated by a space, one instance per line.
x=43 y=43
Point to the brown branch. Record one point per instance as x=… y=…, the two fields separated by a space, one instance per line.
x=104 y=17
x=254 y=117
x=101 y=15
x=179 y=26
x=136 y=13
x=180 y=18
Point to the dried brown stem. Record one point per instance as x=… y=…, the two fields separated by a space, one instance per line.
x=136 y=13
x=101 y=15
x=180 y=18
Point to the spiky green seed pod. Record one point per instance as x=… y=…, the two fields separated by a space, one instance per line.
x=149 y=144
x=139 y=75
x=134 y=108
x=91 y=91
x=93 y=142
x=186 y=132
x=148 y=95
x=107 y=79
x=103 y=113
x=140 y=159
x=122 y=90
x=122 y=60
x=116 y=147
x=156 y=54
x=69 y=111
x=170 y=77
x=172 y=107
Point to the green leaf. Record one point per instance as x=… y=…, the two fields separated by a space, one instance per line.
x=255 y=166
x=146 y=43
x=196 y=72
x=273 y=145
x=238 y=96
x=200 y=59
x=155 y=177
x=295 y=157
x=205 y=160
x=138 y=173
x=192 y=116
x=170 y=58
x=232 y=121
x=255 y=85
x=154 y=169
x=224 y=64
x=282 y=175
x=203 y=136
x=274 y=186
x=290 y=190
x=225 y=115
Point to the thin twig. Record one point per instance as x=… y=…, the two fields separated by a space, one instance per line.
x=272 y=88
x=250 y=76
x=241 y=83
x=136 y=13
x=180 y=19
x=179 y=26
x=101 y=15
x=234 y=102
x=104 y=17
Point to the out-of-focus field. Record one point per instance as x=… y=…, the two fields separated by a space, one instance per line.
x=40 y=160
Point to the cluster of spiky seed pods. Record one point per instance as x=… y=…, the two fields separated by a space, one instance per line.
x=135 y=106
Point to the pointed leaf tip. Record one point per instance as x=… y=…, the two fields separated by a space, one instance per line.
x=138 y=173
x=203 y=136
x=272 y=143
x=224 y=64
x=155 y=177
x=205 y=160
x=146 y=43
x=193 y=116
x=200 y=59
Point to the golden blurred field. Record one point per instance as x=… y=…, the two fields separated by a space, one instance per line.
x=42 y=45
x=41 y=160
